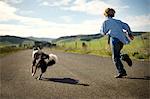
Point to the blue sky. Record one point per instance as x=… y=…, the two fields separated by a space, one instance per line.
x=56 y=18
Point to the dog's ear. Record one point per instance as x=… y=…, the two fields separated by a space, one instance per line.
x=35 y=48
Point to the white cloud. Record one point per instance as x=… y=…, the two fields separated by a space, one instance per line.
x=139 y=23
x=45 y=3
x=94 y=7
x=53 y=30
x=17 y=30
x=67 y=19
x=55 y=2
x=26 y=12
x=13 y=1
x=8 y=13
x=39 y=27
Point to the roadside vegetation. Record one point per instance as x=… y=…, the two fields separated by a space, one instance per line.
x=139 y=48
x=6 y=49
x=10 y=44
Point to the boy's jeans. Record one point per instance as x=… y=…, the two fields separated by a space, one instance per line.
x=116 y=48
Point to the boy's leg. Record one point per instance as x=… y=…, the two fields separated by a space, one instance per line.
x=126 y=58
x=116 y=48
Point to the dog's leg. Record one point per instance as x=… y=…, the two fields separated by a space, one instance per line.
x=33 y=64
x=40 y=76
x=34 y=71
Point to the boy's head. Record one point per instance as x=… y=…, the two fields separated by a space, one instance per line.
x=109 y=12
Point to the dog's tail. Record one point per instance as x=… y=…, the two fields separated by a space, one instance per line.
x=53 y=57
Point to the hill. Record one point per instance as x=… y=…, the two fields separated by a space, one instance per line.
x=9 y=44
x=79 y=37
x=40 y=39
x=139 y=48
x=8 y=40
x=13 y=39
x=86 y=37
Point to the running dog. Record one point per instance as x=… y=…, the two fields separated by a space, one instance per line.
x=42 y=61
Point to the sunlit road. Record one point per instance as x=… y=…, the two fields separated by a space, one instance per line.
x=75 y=76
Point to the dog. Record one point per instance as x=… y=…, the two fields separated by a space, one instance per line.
x=42 y=61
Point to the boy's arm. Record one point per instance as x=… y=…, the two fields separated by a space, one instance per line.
x=131 y=36
x=104 y=29
x=127 y=28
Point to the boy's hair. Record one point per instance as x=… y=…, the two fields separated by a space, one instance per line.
x=109 y=12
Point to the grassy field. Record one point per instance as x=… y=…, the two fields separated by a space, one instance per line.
x=139 y=48
x=6 y=48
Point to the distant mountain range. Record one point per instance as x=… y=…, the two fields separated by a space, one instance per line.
x=18 y=40
x=8 y=39
x=81 y=37
x=86 y=37
x=40 y=39
x=13 y=39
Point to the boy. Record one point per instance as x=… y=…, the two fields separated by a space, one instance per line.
x=117 y=39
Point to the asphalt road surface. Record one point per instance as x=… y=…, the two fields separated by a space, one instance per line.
x=75 y=76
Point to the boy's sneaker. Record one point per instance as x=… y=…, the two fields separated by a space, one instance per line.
x=120 y=75
x=125 y=57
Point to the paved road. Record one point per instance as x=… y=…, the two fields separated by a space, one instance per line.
x=75 y=76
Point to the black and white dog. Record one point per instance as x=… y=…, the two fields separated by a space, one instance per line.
x=42 y=61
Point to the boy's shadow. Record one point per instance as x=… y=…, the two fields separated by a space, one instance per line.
x=65 y=80
x=139 y=78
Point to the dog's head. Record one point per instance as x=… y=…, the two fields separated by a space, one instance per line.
x=35 y=51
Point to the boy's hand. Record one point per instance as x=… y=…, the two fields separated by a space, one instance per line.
x=131 y=36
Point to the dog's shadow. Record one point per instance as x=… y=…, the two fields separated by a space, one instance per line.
x=139 y=78
x=65 y=80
